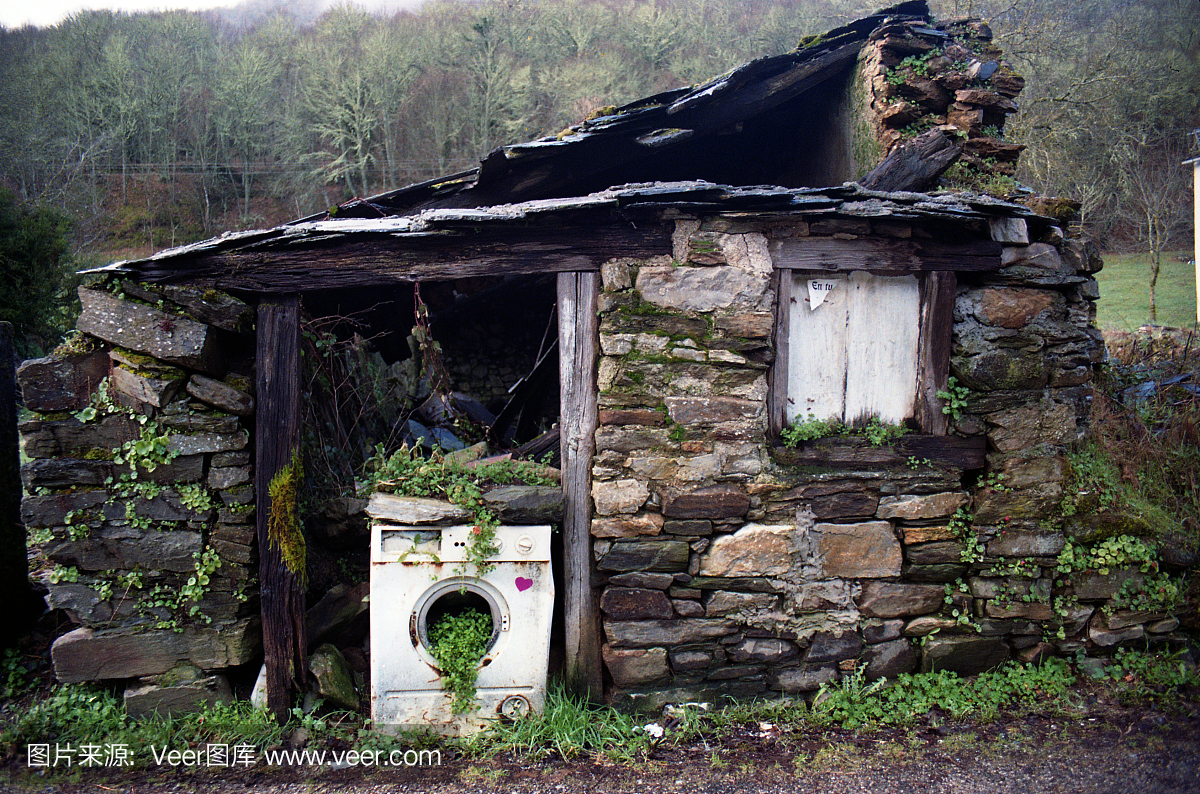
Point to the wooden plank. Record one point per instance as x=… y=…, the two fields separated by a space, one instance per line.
x=882 y=255
x=368 y=260
x=777 y=393
x=578 y=335
x=883 y=324
x=744 y=103
x=816 y=362
x=915 y=165
x=933 y=357
x=954 y=451
x=276 y=439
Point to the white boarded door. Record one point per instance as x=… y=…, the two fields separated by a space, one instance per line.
x=852 y=347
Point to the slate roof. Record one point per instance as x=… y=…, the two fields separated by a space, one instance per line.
x=625 y=201
x=566 y=179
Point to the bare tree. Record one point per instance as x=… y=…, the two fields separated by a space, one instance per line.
x=1154 y=191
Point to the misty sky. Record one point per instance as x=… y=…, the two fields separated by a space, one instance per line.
x=43 y=13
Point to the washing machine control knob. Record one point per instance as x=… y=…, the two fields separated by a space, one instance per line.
x=525 y=544
x=514 y=707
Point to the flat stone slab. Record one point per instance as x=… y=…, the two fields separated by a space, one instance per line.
x=890 y=659
x=726 y=603
x=167 y=698
x=150 y=389
x=628 y=526
x=97 y=655
x=964 y=655
x=127 y=548
x=754 y=550
x=763 y=649
x=619 y=497
x=65 y=472
x=43 y=438
x=1095 y=586
x=50 y=510
x=666 y=633
x=646 y=555
x=212 y=306
x=1020 y=543
x=910 y=508
x=702 y=410
x=61 y=383
x=828 y=646
x=527 y=504
x=718 y=501
x=702 y=289
x=805 y=678
x=632 y=667
x=414 y=510
x=633 y=603
x=196 y=443
x=221 y=395
x=867 y=550
x=144 y=329
x=898 y=599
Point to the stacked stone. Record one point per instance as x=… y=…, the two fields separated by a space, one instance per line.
x=954 y=78
x=1025 y=342
x=725 y=571
x=139 y=466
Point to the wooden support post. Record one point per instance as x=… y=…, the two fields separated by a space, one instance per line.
x=578 y=336
x=277 y=439
x=1196 y=226
x=933 y=349
x=777 y=394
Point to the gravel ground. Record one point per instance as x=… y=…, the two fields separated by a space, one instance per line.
x=1112 y=749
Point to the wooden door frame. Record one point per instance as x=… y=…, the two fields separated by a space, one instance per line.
x=578 y=339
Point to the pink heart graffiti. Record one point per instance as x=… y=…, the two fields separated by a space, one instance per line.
x=523 y=584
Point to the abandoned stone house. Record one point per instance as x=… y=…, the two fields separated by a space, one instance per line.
x=715 y=277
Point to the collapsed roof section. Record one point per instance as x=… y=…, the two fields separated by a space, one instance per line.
x=768 y=121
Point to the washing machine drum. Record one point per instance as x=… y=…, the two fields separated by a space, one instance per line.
x=454 y=596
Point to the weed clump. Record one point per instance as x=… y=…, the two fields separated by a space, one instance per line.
x=459 y=642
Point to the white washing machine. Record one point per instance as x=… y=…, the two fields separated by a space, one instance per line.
x=414 y=581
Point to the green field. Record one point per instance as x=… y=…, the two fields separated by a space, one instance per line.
x=1125 y=291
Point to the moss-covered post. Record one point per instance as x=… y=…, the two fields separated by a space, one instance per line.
x=14 y=578
x=277 y=443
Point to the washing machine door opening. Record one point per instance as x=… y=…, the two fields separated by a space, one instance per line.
x=453 y=597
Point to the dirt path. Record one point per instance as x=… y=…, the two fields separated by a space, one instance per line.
x=1123 y=751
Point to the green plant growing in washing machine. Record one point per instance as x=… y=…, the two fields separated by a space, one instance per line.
x=459 y=642
x=406 y=472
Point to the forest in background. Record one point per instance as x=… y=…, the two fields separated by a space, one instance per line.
x=152 y=130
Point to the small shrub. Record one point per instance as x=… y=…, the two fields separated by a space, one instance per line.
x=459 y=642
x=1142 y=675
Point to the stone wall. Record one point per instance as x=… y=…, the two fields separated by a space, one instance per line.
x=949 y=75
x=140 y=492
x=727 y=570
